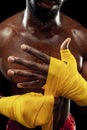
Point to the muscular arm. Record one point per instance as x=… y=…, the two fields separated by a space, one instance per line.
x=81 y=38
x=84 y=74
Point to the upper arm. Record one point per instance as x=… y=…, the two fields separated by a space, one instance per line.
x=84 y=70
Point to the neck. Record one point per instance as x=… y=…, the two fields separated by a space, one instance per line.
x=57 y=19
x=26 y=15
x=29 y=19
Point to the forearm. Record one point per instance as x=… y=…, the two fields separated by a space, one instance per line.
x=30 y=109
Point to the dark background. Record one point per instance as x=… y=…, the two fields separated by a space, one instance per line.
x=76 y=9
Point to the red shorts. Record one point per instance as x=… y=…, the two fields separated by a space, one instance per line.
x=68 y=125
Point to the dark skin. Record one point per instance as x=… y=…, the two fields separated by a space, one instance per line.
x=24 y=28
x=39 y=70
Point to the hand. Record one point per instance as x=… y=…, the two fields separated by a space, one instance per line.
x=40 y=70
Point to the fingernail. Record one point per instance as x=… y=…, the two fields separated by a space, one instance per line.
x=10 y=72
x=23 y=46
x=19 y=85
x=11 y=59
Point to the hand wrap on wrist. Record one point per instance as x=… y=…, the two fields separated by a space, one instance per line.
x=65 y=80
x=31 y=109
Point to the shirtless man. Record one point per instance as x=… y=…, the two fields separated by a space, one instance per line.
x=42 y=26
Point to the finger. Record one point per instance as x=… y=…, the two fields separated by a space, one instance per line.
x=29 y=64
x=31 y=84
x=65 y=44
x=25 y=73
x=38 y=54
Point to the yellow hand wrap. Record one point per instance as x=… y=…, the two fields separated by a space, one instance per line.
x=64 y=79
x=31 y=109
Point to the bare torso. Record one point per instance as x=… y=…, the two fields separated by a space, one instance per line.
x=48 y=40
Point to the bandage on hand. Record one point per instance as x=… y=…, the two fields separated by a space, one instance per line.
x=64 y=79
x=30 y=110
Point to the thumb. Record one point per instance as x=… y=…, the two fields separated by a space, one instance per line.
x=66 y=55
x=65 y=44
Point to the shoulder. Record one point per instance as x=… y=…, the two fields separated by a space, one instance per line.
x=77 y=32
x=10 y=27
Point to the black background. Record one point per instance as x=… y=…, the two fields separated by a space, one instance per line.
x=77 y=10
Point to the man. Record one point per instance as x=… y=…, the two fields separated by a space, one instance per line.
x=41 y=26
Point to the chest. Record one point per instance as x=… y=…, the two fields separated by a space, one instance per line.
x=48 y=45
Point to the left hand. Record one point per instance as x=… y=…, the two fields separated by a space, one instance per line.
x=41 y=70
